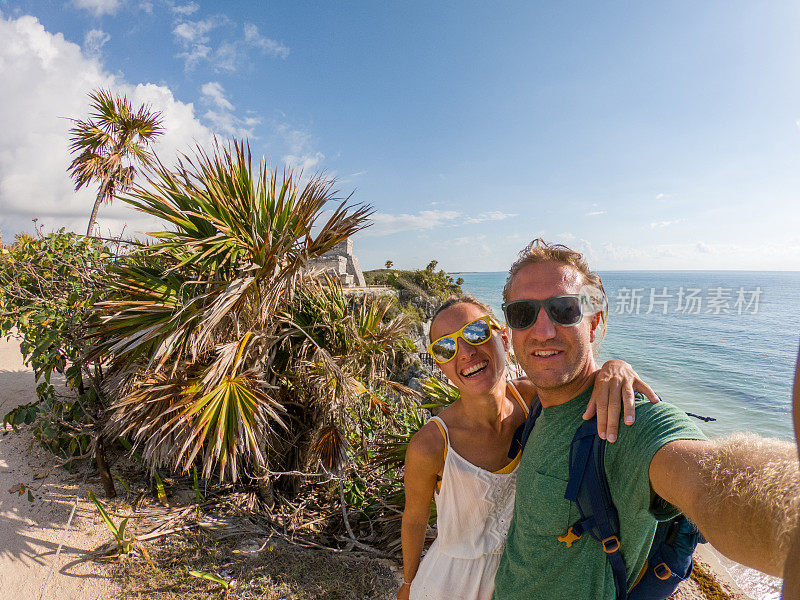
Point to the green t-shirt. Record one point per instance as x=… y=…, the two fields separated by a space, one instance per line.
x=535 y=565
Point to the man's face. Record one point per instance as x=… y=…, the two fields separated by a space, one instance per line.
x=553 y=356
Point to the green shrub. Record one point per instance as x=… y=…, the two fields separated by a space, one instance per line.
x=47 y=284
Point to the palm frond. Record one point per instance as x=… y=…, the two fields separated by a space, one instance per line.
x=330 y=448
x=207 y=309
x=109 y=142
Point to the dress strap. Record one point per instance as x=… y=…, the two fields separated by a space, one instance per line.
x=443 y=430
x=517 y=397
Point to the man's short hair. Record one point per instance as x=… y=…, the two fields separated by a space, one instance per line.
x=539 y=251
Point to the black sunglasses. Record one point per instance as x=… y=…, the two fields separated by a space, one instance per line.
x=566 y=310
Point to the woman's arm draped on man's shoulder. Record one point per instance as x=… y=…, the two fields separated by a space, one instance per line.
x=613 y=394
x=424 y=462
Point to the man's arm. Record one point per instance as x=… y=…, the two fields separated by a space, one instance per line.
x=791 y=572
x=742 y=492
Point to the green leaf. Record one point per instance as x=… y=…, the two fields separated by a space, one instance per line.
x=123 y=482
x=104 y=514
x=121 y=531
x=196 y=487
x=161 y=493
x=210 y=577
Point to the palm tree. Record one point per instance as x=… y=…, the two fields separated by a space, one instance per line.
x=109 y=143
x=198 y=324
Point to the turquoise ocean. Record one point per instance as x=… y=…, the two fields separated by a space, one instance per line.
x=726 y=349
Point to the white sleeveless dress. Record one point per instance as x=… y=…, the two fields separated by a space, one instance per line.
x=473 y=513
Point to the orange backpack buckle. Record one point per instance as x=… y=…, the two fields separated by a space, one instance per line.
x=662 y=571
x=611 y=544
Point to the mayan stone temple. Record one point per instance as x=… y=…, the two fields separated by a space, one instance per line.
x=341 y=262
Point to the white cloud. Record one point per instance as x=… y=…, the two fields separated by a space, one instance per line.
x=228 y=124
x=704 y=248
x=494 y=215
x=94 y=40
x=386 y=224
x=222 y=55
x=662 y=196
x=194 y=55
x=305 y=162
x=216 y=94
x=185 y=9
x=464 y=240
x=189 y=33
x=45 y=81
x=222 y=117
x=756 y=256
x=227 y=57
x=594 y=213
x=146 y=7
x=300 y=156
x=661 y=224
x=98 y=7
x=619 y=253
x=254 y=38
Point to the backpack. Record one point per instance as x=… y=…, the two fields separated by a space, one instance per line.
x=670 y=559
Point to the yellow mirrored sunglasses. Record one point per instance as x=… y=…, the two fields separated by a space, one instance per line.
x=475 y=333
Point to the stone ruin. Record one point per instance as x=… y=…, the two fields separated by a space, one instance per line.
x=340 y=262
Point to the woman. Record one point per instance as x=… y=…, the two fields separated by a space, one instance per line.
x=461 y=455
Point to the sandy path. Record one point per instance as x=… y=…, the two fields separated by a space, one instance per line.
x=31 y=531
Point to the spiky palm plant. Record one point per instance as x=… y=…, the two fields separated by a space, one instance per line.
x=109 y=143
x=197 y=320
x=346 y=353
x=388 y=499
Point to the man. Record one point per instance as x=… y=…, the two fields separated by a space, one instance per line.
x=791 y=572
x=661 y=465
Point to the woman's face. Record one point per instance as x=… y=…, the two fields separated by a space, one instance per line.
x=474 y=369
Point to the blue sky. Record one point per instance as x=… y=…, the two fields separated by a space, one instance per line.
x=650 y=136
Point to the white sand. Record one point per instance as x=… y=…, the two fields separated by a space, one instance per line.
x=31 y=531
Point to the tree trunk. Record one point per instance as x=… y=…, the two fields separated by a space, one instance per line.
x=264 y=485
x=102 y=468
x=97 y=202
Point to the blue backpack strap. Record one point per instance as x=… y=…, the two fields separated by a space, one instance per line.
x=523 y=432
x=588 y=488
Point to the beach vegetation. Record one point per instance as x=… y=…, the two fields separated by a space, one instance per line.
x=109 y=144
x=211 y=350
x=427 y=284
x=222 y=349
x=118 y=531
x=251 y=567
x=48 y=283
x=420 y=290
